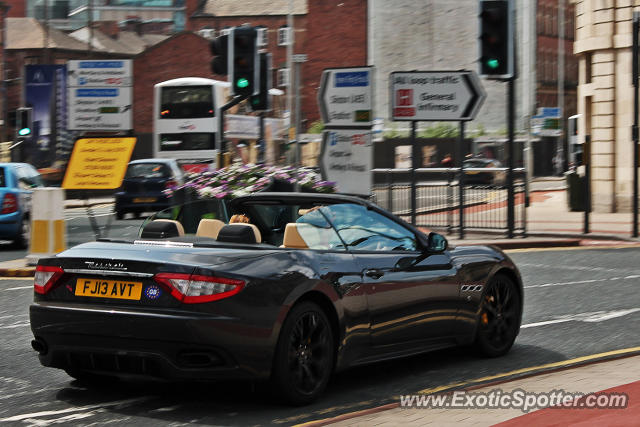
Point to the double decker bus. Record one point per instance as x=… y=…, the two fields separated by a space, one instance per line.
x=186 y=115
x=185 y=118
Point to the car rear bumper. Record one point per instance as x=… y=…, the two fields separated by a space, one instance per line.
x=124 y=343
x=126 y=202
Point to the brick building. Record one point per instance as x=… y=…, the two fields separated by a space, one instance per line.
x=605 y=97
x=332 y=34
x=178 y=56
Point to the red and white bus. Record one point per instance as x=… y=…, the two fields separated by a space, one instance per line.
x=185 y=118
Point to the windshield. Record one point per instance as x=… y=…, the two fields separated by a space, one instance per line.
x=186 y=102
x=148 y=170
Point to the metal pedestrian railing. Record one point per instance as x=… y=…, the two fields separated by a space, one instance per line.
x=484 y=205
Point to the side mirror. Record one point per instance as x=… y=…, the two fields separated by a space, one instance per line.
x=437 y=242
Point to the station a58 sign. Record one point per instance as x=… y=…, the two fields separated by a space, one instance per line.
x=345 y=97
x=435 y=95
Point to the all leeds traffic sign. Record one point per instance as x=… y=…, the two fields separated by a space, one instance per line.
x=345 y=97
x=435 y=95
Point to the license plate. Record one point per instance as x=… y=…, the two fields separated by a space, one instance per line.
x=100 y=288
x=144 y=199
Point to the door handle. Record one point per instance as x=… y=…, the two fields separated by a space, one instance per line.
x=374 y=273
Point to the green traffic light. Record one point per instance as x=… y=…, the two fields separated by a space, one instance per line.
x=493 y=63
x=242 y=83
x=24 y=131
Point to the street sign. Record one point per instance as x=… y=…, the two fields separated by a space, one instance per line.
x=299 y=57
x=346 y=157
x=435 y=95
x=346 y=97
x=100 y=95
x=98 y=163
x=547 y=122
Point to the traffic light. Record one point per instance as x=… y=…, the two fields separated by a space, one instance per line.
x=244 y=74
x=24 y=121
x=496 y=39
x=220 y=50
x=262 y=101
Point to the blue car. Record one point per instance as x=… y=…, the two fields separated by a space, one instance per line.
x=16 y=183
x=144 y=184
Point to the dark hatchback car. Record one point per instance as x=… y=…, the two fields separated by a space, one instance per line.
x=144 y=184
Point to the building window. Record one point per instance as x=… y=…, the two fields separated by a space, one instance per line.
x=284 y=36
x=207 y=33
x=263 y=36
x=283 y=77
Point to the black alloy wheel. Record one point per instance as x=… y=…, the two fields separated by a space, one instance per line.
x=499 y=320
x=304 y=356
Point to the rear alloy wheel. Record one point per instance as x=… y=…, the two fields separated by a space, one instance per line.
x=24 y=233
x=499 y=317
x=304 y=356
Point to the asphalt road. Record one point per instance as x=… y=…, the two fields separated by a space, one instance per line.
x=577 y=303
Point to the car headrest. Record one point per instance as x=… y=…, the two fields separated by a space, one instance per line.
x=239 y=233
x=292 y=237
x=162 y=228
x=209 y=228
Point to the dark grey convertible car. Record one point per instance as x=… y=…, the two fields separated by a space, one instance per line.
x=310 y=285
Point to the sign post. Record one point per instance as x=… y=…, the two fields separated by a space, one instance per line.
x=346 y=108
x=435 y=96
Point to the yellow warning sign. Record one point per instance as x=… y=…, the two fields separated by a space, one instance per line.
x=98 y=163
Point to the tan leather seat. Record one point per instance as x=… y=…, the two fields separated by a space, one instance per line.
x=292 y=238
x=255 y=229
x=209 y=228
x=178 y=225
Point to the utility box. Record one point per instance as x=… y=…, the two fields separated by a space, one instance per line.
x=575 y=191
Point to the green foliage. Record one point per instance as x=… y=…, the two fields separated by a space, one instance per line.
x=316 y=127
x=440 y=130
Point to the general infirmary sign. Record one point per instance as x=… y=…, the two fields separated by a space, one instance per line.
x=435 y=95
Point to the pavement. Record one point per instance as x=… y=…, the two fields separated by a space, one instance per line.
x=615 y=375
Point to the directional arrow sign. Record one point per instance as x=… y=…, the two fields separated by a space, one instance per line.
x=435 y=95
x=345 y=97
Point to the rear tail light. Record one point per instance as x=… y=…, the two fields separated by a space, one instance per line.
x=171 y=184
x=193 y=289
x=9 y=203
x=45 y=277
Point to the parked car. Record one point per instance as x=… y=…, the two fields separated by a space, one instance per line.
x=144 y=184
x=16 y=183
x=484 y=178
x=314 y=283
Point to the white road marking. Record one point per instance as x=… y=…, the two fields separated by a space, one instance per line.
x=593 y=317
x=15 y=325
x=581 y=282
x=72 y=417
x=569 y=267
x=118 y=403
x=19 y=287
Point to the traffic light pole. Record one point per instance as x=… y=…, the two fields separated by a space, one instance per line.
x=634 y=129
x=511 y=161
x=222 y=142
